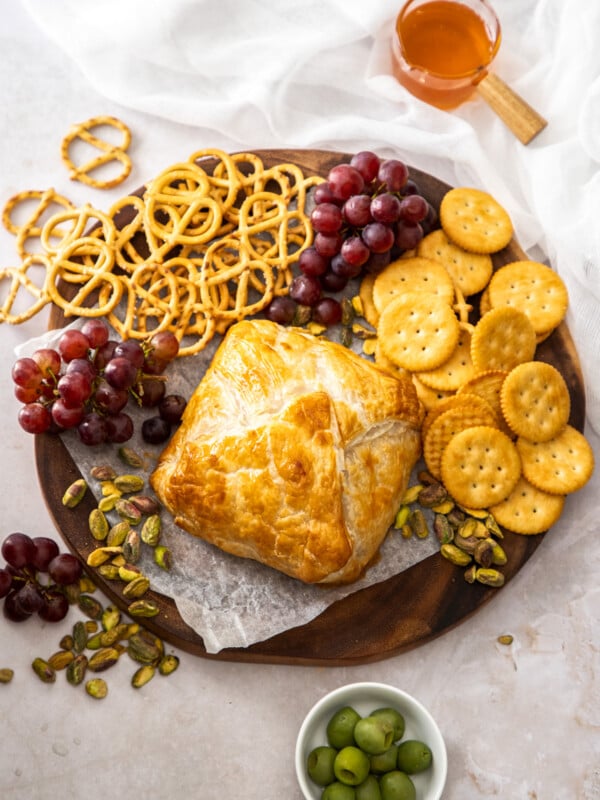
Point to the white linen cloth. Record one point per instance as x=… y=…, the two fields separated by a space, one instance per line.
x=316 y=73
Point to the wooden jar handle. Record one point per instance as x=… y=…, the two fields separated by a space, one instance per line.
x=518 y=115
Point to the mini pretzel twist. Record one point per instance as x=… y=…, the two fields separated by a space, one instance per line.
x=108 y=152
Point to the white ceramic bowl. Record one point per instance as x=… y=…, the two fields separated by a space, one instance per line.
x=364 y=698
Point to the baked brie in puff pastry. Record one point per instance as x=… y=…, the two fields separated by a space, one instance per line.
x=293 y=451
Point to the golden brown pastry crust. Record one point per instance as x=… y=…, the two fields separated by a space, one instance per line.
x=293 y=451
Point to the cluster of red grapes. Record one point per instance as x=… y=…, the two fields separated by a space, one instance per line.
x=34 y=578
x=87 y=381
x=366 y=213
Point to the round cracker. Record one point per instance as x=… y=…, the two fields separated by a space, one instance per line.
x=528 y=510
x=450 y=375
x=429 y=397
x=469 y=271
x=487 y=385
x=559 y=466
x=418 y=331
x=414 y=274
x=535 y=289
x=503 y=338
x=475 y=221
x=445 y=426
x=471 y=403
x=480 y=467
x=535 y=401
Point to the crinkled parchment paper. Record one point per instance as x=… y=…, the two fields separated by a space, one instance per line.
x=228 y=601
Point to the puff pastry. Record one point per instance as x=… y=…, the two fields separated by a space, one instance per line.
x=293 y=451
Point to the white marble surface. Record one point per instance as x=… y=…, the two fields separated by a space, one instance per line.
x=521 y=722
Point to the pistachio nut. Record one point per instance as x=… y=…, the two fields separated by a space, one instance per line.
x=142 y=676
x=455 y=555
x=348 y=311
x=74 y=493
x=87 y=585
x=109 y=502
x=346 y=336
x=470 y=574
x=76 y=669
x=467 y=544
x=66 y=643
x=103 y=659
x=151 y=530
x=96 y=688
x=71 y=591
x=137 y=587
x=129 y=484
x=145 y=504
x=493 y=527
x=357 y=305
x=90 y=606
x=505 y=639
x=426 y=478
x=130 y=629
x=443 y=529
x=61 y=659
x=143 y=608
x=129 y=572
x=444 y=508
x=6 y=675
x=126 y=510
x=130 y=457
x=43 y=670
x=118 y=560
x=132 y=547
x=477 y=513
x=361 y=331
x=490 y=577
x=102 y=554
x=98 y=524
x=103 y=472
x=118 y=532
x=484 y=552
x=109 y=488
x=168 y=664
x=109 y=571
x=499 y=557
x=91 y=626
x=80 y=636
x=111 y=617
x=432 y=495
x=418 y=523
x=411 y=494
x=456 y=517
x=401 y=517
x=144 y=648
x=466 y=529
x=406 y=531
x=163 y=557
x=94 y=642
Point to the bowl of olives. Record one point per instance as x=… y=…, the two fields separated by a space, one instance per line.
x=370 y=741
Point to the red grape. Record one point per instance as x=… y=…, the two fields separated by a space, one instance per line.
x=104 y=354
x=74 y=388
x=171 y=408
x=385 y=208
x=332 y=282
x=108 y=399
x=66 y=417
x=367 y=163
x=327 y=311
x=30 y=597
x=73 y=344
x=152 y=390
x=121 y=373
x=357 y=210
x=18 y=550
x=34 y=418
x=377 y=261
x=326 y=218
x=45 y=549
x=5 y=582
x=378 y=237
x=408 y=234
x=56 y=606
x=327 y=244
x=26 y=373
x=29 y=395
x=119 y=428
x=339 y=266
x=132 y=350
x=93 y=429
x=354 y=251
x=345 y=181
x=393 y=174
x=153 y=365
x=306 y=290
x=155 y=430
x=13 y=609
x=312 y=263
x=96 y=332
x=84 y=366
x=323 y=194
x=414 y=208
x=165 y=345
x=65 y=569
x=281 y=310
x=48 y=360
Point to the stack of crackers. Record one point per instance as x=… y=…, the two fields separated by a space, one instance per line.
x=495 y=430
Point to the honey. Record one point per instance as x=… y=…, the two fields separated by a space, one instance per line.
x=442 y=48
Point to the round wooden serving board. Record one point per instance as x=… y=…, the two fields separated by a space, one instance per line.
x=400 y=613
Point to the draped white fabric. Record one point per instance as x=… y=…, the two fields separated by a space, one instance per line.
x=283 y=73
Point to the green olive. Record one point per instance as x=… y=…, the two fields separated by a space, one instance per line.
x=320 y=765
x=394 y=718
x=373 y=735
x=397 y=785
x=351 y=766
x=413 y=756
x=368 y=789
x=385 y=762
x=340 y=728
x=338 y=791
